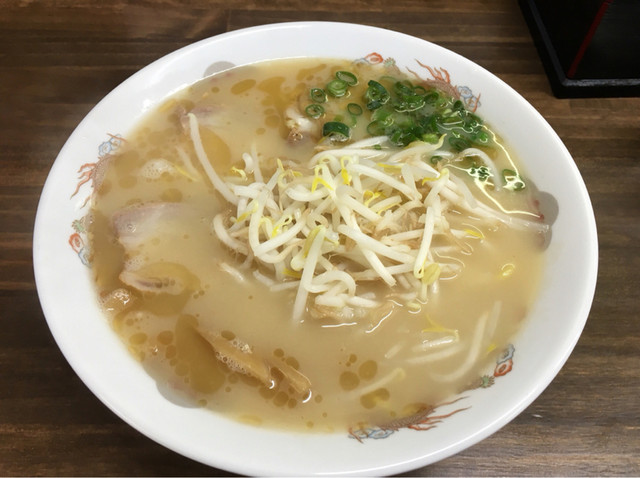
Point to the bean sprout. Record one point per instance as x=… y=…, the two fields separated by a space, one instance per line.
x=358 y=214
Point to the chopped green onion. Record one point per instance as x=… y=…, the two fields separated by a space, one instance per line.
x=403 y=88
x=452 y=120
x=384 y=116
x=403 y=112
x=474 y=120
x=317 y=95
x=419 y=90
x=482 y=173
x=354 y=109
x=459 y=143
x=431 y=97
x=409 y=102
x=483 y=137
x=314 y=111
x=376 y=128
x=402 y=137
x=512 y=180
x=336 y=130
x=348 y=77
x=337 y=88
x=376 y=95
x=432 y=138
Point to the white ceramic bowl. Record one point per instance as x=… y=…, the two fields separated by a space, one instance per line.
x=101 y=361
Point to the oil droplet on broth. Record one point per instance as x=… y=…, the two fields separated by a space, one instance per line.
x=128 y=182
x=227 y=334
x=171 y=195
x=349 y=380
x=272 y=121
x=291 y=361
x=182 y=369
x=281 y=399
x=372 y=399
x=267 y=393
x=138 y=338
x=165 y=337
x=243 y=86
x=368 y=370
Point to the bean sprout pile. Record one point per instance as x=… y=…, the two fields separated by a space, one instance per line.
x=361 y=213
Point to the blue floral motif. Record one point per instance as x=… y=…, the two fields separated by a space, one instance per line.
x=78 y=244
x=112 y=144
x=470 y=100
x=376 y=433
x=104 y=148
x=507 y=354
x=83 y=254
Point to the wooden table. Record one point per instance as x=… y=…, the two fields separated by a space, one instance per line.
x=59 y=58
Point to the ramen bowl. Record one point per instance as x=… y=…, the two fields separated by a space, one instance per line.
x=521 y=372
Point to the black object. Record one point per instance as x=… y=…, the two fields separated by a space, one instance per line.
x=588 y=47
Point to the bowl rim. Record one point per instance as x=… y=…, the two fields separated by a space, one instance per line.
x=47 y=290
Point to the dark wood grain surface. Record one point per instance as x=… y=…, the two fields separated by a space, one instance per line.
x=59 y=58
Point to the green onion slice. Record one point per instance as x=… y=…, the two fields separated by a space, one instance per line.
x=419 y=90
x=336 y=130
x=431 y=138
x=376 y=128
x=348 y=77
x=459 y=144
x=479 y=172
x=376 y=95
x=337 y=88
x=401 y=137
x=408 y=103
x=483 y=137
x=403 y=88
x=431 y=97
x=354 y=109
x=512 y=180
x=317 y=95
x=314 y=111
x=384 y=116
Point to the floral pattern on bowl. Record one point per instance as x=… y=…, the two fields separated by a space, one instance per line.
x=425 y=419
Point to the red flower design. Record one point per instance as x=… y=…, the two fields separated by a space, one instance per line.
x=374 y=58
x=503 y=368
x=76 y=242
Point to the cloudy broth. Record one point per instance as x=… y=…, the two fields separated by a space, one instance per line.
x=370 y=368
